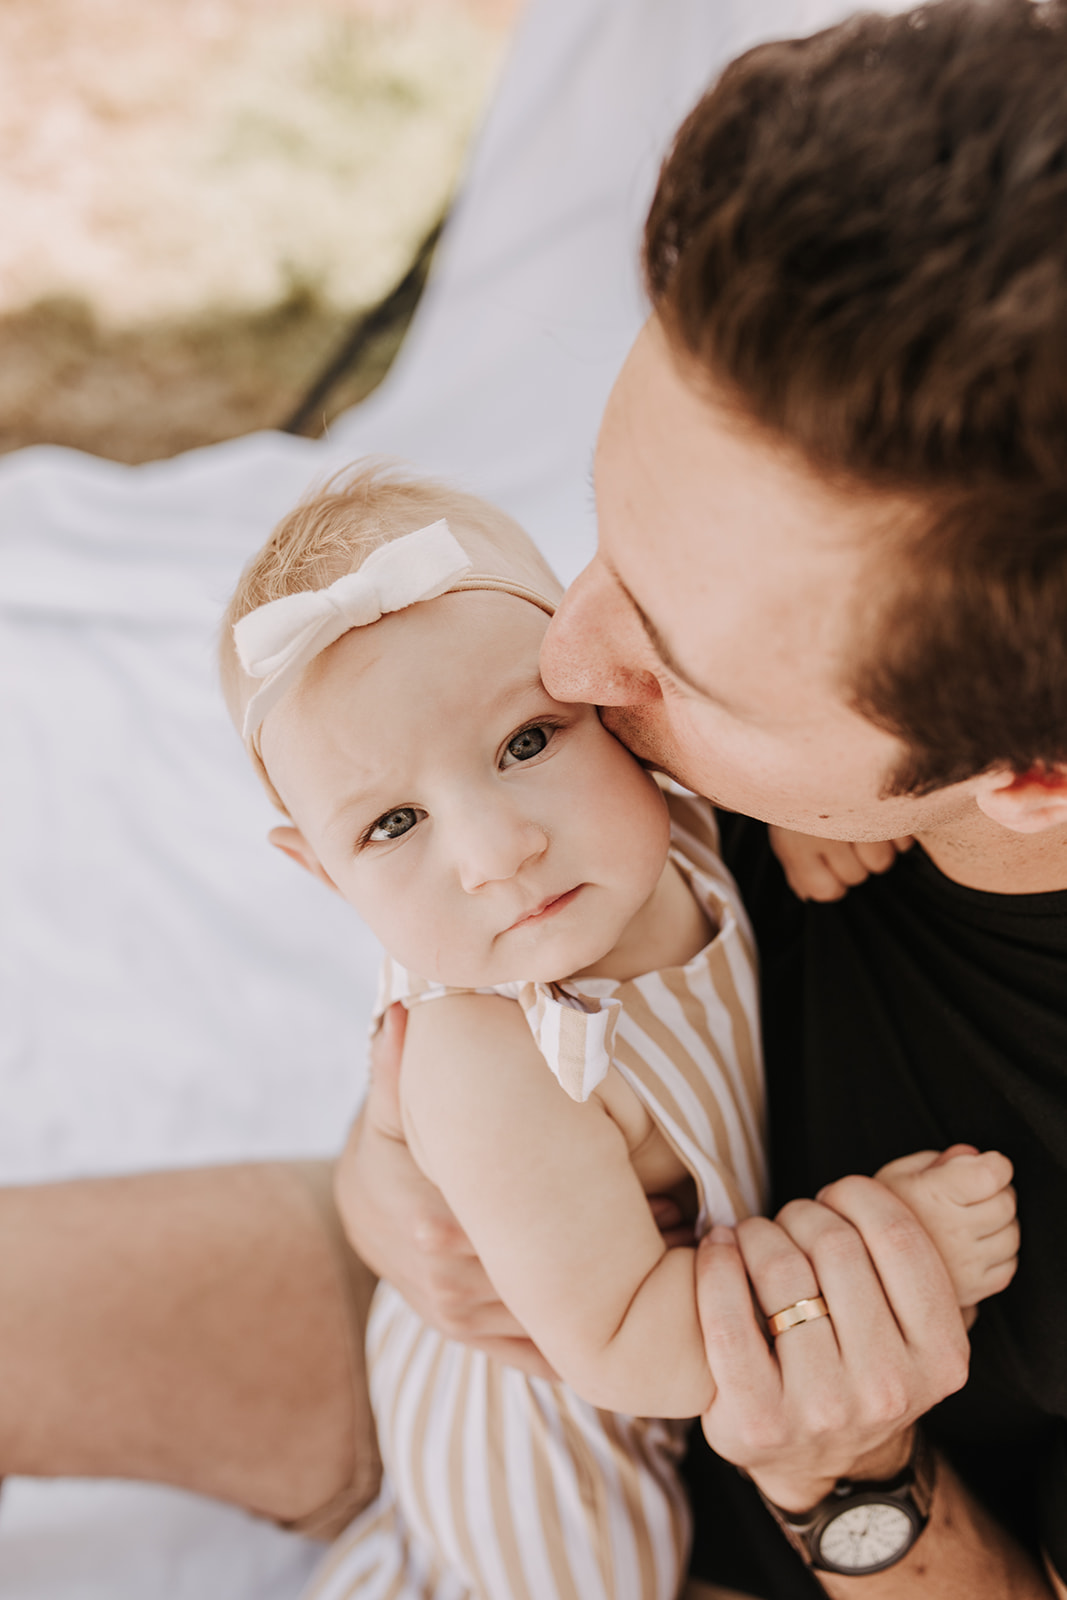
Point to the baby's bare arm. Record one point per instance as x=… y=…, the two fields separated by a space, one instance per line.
x=544 y=1188
x=966 y=1203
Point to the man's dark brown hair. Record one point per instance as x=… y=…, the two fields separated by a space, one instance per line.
x=863 y=235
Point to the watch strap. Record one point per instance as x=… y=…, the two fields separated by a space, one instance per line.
x=912 y=1488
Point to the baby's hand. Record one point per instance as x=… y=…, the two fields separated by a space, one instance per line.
x=825 y=869
x=966 y=1203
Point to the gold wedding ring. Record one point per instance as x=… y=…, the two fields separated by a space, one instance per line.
x=800 y=1311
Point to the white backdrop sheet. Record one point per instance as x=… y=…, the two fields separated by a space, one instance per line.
x=173 y=991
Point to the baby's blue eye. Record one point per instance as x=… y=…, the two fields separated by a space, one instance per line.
x=530 y=742
x=394 y=824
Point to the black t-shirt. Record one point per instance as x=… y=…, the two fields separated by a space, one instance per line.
x=910 y=1015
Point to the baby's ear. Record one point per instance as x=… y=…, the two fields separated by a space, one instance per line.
x=291 y=842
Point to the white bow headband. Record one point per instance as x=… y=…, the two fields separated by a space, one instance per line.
x=277 y=641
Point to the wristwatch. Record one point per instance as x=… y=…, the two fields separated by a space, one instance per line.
x=860 y=1526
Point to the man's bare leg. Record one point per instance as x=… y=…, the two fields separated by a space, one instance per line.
x=201 y=1328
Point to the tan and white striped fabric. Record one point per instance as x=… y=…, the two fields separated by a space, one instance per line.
x=503 y=1487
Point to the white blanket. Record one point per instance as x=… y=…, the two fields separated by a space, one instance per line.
x=173 y=990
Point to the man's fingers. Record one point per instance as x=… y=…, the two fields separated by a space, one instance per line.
x=674 y=1228
x=798 y=1412
x=474 y=1322
x=458 y=1298
x=477 y=1319
x=782 y=1275
x=896 y=1321
x=780 y=1272
x=860 y=1325
x=666 y=1212
x=437 y=1234
x=847 y=1279
x=915 y=1280
x=737 y=1350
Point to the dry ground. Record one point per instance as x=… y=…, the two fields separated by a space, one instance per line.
x=200 y=196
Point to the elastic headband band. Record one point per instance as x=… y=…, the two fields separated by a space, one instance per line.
x=278 y=640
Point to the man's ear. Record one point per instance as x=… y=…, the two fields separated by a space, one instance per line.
x=291 y=842
x=1025 y=802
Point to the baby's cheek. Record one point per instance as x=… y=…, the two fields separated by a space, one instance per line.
x=627 y=847
x=391 y=910
x=639 y=811
x=414 y=944
x=429 y=940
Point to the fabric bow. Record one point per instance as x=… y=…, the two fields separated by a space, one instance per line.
x=276 y=641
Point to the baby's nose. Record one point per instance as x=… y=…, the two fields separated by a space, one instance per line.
x=496 y=847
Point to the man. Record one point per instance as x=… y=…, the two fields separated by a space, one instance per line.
x=831 y=593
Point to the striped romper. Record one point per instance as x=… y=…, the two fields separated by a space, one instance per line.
x=504 y=1487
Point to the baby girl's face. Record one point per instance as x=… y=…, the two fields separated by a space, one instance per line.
x=484 y=831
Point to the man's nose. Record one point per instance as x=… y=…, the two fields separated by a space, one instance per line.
x=494 y=845
x=594 y=645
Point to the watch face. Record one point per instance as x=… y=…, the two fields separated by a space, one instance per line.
x=866 y=1536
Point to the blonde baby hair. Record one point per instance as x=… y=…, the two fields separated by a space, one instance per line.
x=334 y=530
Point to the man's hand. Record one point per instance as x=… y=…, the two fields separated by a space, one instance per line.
x=399 y=1224
x=835 y=1397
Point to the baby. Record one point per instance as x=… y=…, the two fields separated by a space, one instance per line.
x=582 y=1034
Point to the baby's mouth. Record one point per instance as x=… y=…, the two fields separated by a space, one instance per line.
x=547 y=908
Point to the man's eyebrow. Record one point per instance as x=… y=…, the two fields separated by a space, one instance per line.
x=663 y=650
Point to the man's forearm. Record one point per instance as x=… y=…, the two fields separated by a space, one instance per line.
x=963 y=1554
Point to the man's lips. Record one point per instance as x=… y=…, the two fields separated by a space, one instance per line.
x=547 y=908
